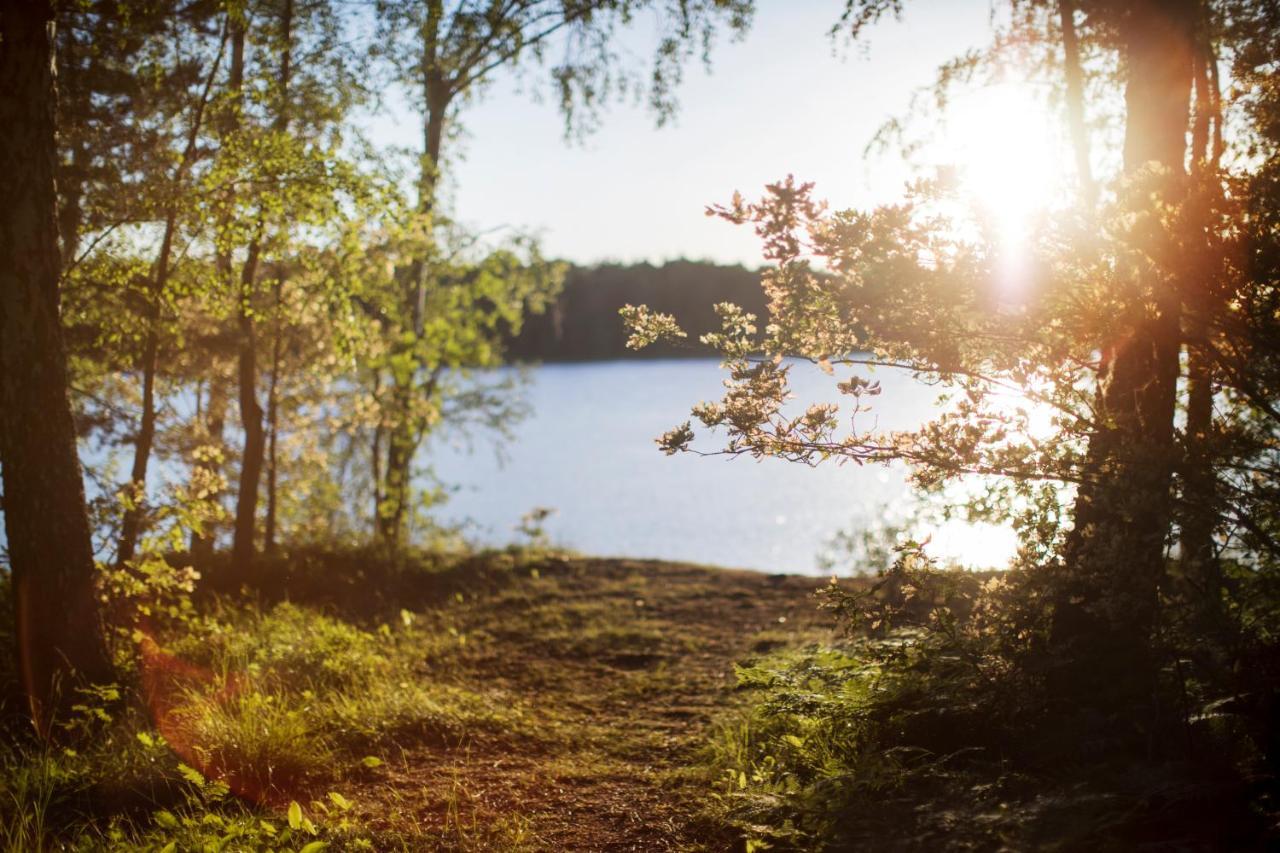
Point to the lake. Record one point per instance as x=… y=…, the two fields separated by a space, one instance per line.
x=587 y=451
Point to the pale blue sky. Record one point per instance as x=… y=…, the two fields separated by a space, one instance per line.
x=784 y=99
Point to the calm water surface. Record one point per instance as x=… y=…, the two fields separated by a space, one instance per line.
x=588 y=452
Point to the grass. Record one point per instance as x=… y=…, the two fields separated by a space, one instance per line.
x=508 y=701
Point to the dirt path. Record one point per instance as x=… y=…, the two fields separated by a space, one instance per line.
x=616 y=669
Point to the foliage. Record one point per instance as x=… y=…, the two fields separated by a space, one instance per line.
x=240 y=726
x=931 y=725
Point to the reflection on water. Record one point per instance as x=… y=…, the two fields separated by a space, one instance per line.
x=588 y=452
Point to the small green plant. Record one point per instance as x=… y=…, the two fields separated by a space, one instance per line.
x=533 y=526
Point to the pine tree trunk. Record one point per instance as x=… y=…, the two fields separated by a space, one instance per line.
x=1115 y=555
x=58 y=630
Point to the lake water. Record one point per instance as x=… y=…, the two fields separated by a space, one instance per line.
x=588 y=452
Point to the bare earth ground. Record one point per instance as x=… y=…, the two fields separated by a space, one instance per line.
x=614 y=670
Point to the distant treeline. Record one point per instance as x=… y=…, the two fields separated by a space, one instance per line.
x=583 y=324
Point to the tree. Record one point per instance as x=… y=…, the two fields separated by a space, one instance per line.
x=445 y=56
x=1130 y=312
x=59 y=635
x=279 y=172
x=196 y=60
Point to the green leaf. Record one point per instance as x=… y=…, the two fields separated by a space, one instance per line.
x=295 y=815
x=314 y=847
x=794 y=740
x=371 y=761
x=145 y=739
x=170 y=847
x=339 y=800
x=166 y=819
x=191 y=774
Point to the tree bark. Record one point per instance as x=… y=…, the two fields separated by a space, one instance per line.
x=59 y=633
x=1115 y=554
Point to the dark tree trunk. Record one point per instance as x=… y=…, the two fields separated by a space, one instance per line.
x=273 y=421
x=246 y=529
x=1200 y=500
x=59 y=634
x=135 y=509
x=1199 y=510
x=1115 y=555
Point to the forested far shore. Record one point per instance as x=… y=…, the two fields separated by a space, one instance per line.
x=583 y=323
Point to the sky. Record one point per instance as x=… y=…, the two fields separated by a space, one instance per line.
x=784 y=99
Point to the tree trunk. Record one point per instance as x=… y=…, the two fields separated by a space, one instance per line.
x=273 y=420
x=251 y=414
x=131 y=525
x=135 y=508
x=58 y=630
x=1115 y=555
x=244 y=546
x=1199 y=511
x=402 y=443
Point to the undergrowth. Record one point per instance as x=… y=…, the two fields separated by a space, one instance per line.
x=240 y=722
x=930 y=726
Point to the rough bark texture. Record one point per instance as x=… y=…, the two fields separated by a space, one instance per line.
x=59 y=639
x=1115 y=555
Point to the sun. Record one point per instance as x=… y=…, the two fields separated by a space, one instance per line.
x=1003 y=144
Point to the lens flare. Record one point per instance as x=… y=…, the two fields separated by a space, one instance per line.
x=1010 y=162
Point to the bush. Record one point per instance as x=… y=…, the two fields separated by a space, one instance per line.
x=931 y=727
